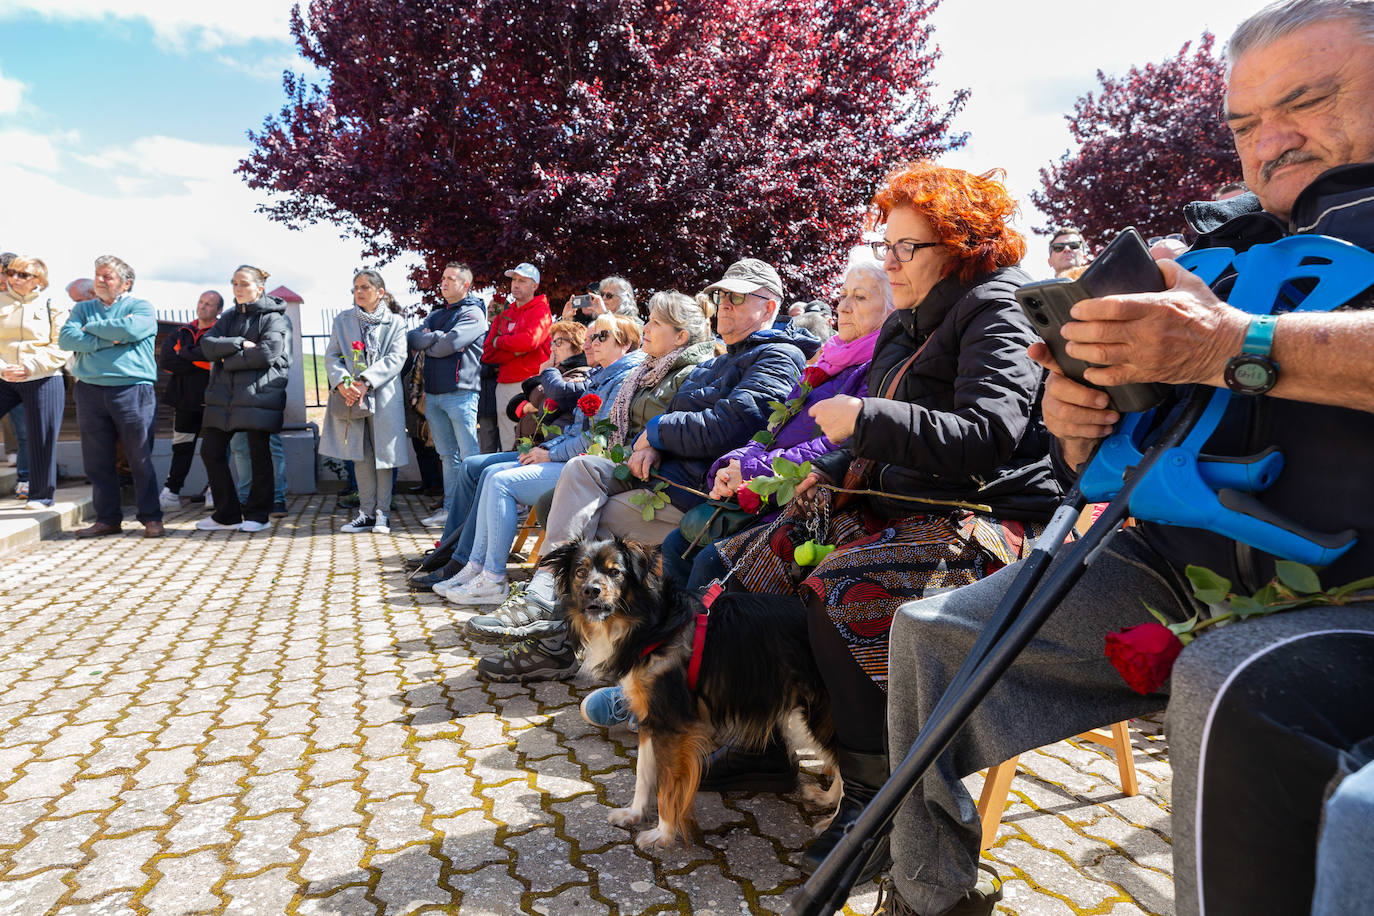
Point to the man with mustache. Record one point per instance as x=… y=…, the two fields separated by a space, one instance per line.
x=1267 y=716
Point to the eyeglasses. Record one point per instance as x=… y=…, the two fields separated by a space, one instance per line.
x=1173 y=236
x=19 y=274
x=600 y=336
x=720 y=296
x=562 y=342
x=1060 y=246
x=902 y=249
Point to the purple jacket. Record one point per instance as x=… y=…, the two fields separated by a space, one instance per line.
x=799 y=439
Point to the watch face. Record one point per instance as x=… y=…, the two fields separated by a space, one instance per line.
x=1251 y=374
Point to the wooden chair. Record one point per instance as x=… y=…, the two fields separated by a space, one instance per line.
x=529 y=529
x=993 y=800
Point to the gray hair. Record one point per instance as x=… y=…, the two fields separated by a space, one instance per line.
x=628 y=308
x=126 y=273
x=682 y=312
x=817 y=323
x=464 y=271
x=81 y=289
x=875 y=272
x=1283 y=18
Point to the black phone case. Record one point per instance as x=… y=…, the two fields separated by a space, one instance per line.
x=1124 y=266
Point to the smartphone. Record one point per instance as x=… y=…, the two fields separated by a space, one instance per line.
x=581 y=303
x=1124 y=266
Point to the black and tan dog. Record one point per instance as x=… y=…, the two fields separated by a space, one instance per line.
x=755 y=669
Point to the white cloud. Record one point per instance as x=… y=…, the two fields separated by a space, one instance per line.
x=176 y=23
x=26 y=150
x=176 y=212
x=11 y=94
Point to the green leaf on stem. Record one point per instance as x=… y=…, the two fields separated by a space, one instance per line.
x=764 y=437
x=1301 y=579
x=1208 y=587
x=621 y=472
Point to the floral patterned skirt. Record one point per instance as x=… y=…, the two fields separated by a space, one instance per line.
x=877 y=566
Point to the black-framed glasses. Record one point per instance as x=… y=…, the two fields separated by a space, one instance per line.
x=600 y=336
x=721 y=296
x=902 y=249
x=1060 y=246
x=19 y=274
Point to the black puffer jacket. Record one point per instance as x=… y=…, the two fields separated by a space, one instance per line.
x=247 y=387
x=964 y=422
x=181 y=356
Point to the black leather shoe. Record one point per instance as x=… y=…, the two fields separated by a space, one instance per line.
x=731 y=769
x=863 y=774
x=426 y=582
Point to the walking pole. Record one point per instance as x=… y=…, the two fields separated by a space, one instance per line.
x=1019 y=616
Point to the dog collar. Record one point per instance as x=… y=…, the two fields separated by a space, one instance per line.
x=698 y=648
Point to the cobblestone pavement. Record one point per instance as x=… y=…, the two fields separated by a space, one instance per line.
x=270 y=723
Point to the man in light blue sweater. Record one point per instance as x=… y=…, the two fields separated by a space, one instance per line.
x=112 y=338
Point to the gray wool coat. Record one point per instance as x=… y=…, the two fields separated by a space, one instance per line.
x=383 y=408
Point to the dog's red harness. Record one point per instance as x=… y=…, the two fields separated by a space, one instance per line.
x=698 y=647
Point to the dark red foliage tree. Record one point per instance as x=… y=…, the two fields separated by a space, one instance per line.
x=661 y=139
x=1148 y=143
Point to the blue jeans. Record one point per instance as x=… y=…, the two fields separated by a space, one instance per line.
x=453 y=424
x=1345 y=882
x=36 y=426
x=118 y=413
x=465 y=497
x=243 y=466
x=21 y=442
x=695 y=571
x=502 y=488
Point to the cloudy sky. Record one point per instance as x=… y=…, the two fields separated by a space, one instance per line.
x=121 y=122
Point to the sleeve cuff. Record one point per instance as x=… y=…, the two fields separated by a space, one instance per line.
x=651 y=430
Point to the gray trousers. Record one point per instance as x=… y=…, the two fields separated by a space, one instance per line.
x=1061 y=685
x=374 y=484
x=590 y=502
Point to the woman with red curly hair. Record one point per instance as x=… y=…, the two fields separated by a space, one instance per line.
x=948 y=442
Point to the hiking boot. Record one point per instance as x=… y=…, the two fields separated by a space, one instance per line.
x=980 y=901
x=529 y=661
x=519 y=617
x=864 y=774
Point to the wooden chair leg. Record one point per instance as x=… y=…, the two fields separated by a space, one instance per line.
x=993 y=800
x=1119 y=740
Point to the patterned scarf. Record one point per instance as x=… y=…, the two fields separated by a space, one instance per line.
x=369 y=322
x=646 y=375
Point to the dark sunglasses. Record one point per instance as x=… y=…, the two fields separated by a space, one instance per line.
x=19 y=274
x=1060 y=246
x=600 y=336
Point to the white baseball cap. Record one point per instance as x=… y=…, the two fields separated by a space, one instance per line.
x=525 y=270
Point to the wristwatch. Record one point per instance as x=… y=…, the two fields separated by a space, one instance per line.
x=1253 y=371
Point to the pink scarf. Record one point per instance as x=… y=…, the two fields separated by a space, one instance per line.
x=836 y=355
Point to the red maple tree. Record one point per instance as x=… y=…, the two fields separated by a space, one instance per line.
x=1148 y=143
x=661 y=139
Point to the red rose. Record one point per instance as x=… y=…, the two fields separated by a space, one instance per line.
x=550 y=406
x=589 y=404
x=358 y=345
x=1144 y=655
x=749 y=501
x=813 y=376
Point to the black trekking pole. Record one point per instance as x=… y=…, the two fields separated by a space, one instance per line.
x=1019 y=616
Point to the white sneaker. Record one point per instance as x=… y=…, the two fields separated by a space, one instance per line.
x=250 y=525
x=437 y=520
x=209 y=524
x=442 y=588
x=21 y=490
x=209 y=500
x=382 y=525
x=480 y=591
x=168 y=500
x=359 y=524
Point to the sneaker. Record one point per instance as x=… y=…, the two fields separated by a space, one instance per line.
x=480 y=591
x=21 y=490
x=518 y=617
x=349 y=500
x=382 y=525
x=38 y=504
x=606 y=707
x=209 y=524
x=168 y=500
x=279 y=509
x=209 y=500
x=359 y=524
x=442 y=587
x=529 y=661
x=437 y=520
x=250 y=525
x=982 y=900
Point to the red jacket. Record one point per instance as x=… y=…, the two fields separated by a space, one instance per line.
x=519 y=340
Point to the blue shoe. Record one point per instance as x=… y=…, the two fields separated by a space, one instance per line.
x=606 y=706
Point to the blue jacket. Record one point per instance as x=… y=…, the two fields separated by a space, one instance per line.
x=723 y=403
x=604 y=383
x=113 y=345
x=451 y=339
